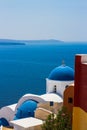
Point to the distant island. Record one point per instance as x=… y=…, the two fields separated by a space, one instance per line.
x=25 y=42
x=11 y=42
x=43 y=40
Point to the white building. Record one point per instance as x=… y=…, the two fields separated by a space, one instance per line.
x=56 y=82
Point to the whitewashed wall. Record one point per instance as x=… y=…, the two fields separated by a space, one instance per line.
x=60 y=86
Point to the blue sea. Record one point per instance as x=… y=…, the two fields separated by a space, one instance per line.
x=24 y=68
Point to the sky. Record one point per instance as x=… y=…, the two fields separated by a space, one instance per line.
x=43 y=19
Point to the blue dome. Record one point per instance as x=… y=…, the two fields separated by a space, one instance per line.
x=26 y=109
x=3 y=122
x=62 y=73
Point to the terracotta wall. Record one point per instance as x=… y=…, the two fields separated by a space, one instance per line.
x=69 y=97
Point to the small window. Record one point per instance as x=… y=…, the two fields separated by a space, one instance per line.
x=70 y=100
x=66 y=86
x=51 y=103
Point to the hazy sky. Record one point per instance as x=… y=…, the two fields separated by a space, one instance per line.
x=44 y=19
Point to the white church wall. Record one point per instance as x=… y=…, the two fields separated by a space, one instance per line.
x=58 y=86
x=50 y=85
x=61 y=88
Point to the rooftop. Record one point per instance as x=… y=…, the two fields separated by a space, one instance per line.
x=27 y=122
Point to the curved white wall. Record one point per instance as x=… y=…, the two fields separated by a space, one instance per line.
x=8 y=112
x=27 y=97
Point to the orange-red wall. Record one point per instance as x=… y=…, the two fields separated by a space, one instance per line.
x=80 y=90
x=69 y=93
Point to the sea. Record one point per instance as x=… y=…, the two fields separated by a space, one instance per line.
x=25 y=67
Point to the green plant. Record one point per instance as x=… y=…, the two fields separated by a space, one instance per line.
x=49 y=123
x=62 y=121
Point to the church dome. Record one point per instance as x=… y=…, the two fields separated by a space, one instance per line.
x=62 y=73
